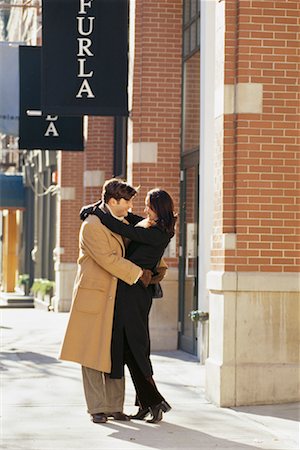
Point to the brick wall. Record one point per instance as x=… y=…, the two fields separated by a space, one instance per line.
x=70 y=176
x=98 y=155
x=260 y=174
x=156 y=113
x=99 y=152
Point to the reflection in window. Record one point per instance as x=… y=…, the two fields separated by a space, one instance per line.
x=195 y=7
x=186 y=12
x=193 y=41
x=191 y=75
x=191 y=103
x=191 y=29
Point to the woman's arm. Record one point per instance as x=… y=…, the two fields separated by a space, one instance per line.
x=133 y=219
x=152 y=236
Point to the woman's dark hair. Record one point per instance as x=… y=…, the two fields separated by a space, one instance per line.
x=117 y=189
x=162 y=204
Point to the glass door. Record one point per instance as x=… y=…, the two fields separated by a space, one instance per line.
x=188 y=272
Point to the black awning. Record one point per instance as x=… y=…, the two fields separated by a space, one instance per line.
x=12 y=191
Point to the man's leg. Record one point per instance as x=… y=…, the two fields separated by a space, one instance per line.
x=102 y=394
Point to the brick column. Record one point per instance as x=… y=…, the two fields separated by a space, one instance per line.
x=69 y=202
x=154 y=130
x=254 y=284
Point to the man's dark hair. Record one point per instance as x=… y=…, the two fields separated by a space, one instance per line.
x=117 y=189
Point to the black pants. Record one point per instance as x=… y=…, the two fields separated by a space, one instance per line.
x=146 y=390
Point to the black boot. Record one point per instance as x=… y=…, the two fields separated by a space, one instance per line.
x=141 y=414
x=157 y=411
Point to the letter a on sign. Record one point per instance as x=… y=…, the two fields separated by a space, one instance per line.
x=51 y=127
x=84 y=57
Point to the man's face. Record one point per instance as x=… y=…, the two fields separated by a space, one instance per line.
x=120 y=207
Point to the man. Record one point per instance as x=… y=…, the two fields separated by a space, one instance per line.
x=87 y=340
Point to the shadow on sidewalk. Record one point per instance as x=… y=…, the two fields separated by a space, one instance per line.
x=288 y=411
x=167 y=436
x=178 y=355
x=36 y=358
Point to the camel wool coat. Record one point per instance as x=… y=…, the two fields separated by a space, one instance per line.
x=101 y=262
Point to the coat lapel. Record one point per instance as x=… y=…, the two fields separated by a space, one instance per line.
x=120 y=240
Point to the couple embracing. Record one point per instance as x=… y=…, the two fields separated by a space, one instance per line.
x=119 y=262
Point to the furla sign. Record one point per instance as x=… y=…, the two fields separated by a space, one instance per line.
x=84 y=57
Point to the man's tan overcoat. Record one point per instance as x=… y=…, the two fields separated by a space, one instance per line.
x=88 y=336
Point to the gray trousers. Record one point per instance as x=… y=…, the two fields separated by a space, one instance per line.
x=102 y=393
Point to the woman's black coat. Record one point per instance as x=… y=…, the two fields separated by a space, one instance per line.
x=133 y=303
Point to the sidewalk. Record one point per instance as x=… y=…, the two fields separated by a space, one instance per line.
x=43 y=407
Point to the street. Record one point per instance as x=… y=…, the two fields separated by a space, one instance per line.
x=43 y=406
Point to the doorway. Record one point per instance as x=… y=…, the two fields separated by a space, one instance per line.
x=188 y=265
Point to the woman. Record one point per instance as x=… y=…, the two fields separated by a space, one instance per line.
x=130 y=342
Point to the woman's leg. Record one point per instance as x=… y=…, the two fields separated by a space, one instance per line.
x=146 y=390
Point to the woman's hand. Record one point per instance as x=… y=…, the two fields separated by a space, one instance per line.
x=88 y=209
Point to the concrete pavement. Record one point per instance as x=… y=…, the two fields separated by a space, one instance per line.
x=43 y=408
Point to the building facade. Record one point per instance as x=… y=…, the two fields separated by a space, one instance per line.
x=214 y=119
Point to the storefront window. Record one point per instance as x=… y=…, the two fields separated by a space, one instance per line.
x=191 y=75
x=189 y=190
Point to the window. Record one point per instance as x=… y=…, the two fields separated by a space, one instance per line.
x=191 y=27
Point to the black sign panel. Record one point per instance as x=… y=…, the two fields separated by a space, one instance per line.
x=85 y=57
x=44 y=131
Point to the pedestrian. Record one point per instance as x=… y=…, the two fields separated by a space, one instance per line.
x=87 y=340
x=130 y=340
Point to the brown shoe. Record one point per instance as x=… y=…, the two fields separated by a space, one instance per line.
x=119 y=416
x=99 y=418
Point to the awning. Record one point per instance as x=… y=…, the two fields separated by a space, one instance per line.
x=12 y=191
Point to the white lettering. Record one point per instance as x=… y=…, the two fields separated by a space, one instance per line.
x=85 y=27
x=80 y=25
x=51 y=118
x=85 y=87
x=83 y=4
x=81 y=69
x=83 y=47
x=51 y=129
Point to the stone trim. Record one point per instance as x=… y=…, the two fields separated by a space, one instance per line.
x=253 y=281
x=93 y=178
x=144 y=152
x=243 y=98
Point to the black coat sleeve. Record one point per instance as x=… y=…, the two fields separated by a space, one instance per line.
x=133 y=219
x=151 y=236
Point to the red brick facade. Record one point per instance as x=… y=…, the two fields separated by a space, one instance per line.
x=70 y=175
x=260 y=162
x=98 y=155
x=99 y=152
x=156 y=112
x=257 y=171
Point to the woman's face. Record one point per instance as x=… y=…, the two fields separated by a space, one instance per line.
x=150 y=213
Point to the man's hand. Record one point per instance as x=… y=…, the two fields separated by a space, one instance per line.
x=146 y=277
x=160 y=273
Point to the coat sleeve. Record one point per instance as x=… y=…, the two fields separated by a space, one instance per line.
x=95 y=242
x=133 y=219
x=151 y=236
